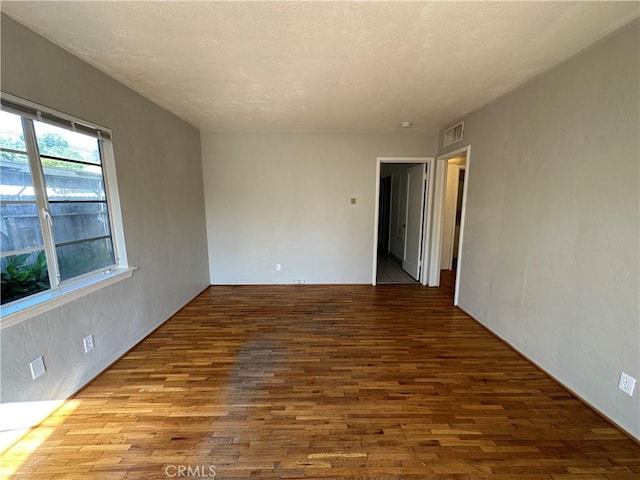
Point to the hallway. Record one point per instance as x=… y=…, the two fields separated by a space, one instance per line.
x=389 y=271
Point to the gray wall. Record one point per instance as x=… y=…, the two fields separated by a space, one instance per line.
x=550 y=255
x=285 y=198
x=158 y=163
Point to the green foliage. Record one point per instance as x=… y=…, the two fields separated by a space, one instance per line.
x=48 y=162
x=56 y=145
x=20 y=278
x=14 y=144
x=22 y=275
x=82 y=258
x=52 y=144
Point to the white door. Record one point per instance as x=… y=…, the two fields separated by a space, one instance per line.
x=413 y=231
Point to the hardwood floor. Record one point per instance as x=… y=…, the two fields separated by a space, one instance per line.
x=387 y=382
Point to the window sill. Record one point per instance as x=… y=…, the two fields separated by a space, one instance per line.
x=42 y=302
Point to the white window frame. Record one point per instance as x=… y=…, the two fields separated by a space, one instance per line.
x=71 y=289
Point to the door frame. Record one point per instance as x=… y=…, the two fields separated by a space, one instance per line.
x=427 y=214
x=438 y=206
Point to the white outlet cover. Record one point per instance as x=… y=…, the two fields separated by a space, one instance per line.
x=37 y=367
x=627 y=383
x=88 y=343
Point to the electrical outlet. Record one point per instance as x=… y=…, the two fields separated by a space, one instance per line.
x=278 y=267
x=88 y=343
x=299 y=282
x=37 y=367
x=627 y=383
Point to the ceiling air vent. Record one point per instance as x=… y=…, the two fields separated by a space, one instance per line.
x=453 y=134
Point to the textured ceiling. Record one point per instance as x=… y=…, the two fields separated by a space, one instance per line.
x=321 y=65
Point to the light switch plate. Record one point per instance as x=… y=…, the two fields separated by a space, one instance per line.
x=37 y=367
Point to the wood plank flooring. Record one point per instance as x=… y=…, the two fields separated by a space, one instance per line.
x=324 y=382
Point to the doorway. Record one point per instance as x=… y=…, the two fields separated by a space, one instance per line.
x=402 y=226
x=452 y=214
x=451 y=186
x=384 y=208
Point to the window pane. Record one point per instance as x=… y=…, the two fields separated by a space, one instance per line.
x=11 y=135
x=79 y=220
x=85 y=257
x=19 y=227
x=60 y=142
x=73 y=181
x=23 y=275
x=15 y=177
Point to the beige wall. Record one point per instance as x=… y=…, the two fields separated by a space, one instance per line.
x=285 y=198
x=550 y=255
x=158 y=163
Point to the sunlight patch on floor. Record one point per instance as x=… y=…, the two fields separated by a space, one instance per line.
x=19 y=440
